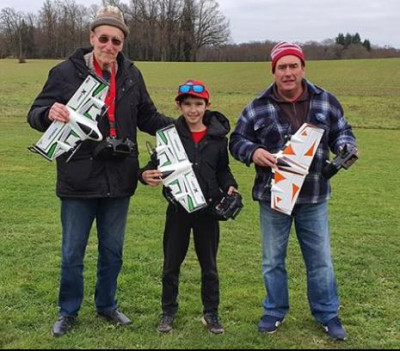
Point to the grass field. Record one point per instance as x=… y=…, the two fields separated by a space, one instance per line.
x=365 y=225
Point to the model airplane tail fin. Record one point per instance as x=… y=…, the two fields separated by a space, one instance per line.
x=37 y=150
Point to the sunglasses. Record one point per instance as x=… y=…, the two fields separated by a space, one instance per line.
x=189 y=87
x=104 y=39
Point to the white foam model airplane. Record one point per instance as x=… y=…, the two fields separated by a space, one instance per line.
x=293 y=163
x=84 y=108
x=177 y=170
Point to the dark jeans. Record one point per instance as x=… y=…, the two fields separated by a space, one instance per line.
x=176 y=242
x=77 y=216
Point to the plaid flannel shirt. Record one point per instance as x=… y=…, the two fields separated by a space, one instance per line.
x=262 y=125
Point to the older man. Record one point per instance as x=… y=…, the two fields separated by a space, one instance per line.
x=262 y=130
x=96 y=184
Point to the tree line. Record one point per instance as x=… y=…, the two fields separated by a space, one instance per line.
x=160 y=30
x=328 y=49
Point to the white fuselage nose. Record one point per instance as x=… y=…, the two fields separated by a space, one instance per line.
x=84 y=127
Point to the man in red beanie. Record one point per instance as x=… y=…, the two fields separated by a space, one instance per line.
x=262 y=130
x=284 y=49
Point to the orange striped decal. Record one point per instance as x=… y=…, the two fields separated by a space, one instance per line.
x=310 y=151
x=289 y=151
x=295 y=191
x=278 y=177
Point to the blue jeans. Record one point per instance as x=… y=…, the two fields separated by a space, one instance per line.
x=312 y=230
x=77 y=216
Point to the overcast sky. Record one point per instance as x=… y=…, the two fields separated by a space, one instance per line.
x=300 y=21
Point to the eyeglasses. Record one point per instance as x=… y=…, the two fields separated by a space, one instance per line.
x=104 y=39
x=189 y=87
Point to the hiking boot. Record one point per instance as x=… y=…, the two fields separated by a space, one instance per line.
x=335 y=329
x=211 y=321
x=165 y=325
x=269 y=324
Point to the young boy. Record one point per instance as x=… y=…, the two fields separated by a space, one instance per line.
x=204 y=136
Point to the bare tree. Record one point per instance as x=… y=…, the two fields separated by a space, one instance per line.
x=168 y=22
x=211 y=26
x=174 y=30
x=72 y=26
x=254 y=51
x=187 y=30
x=333 y=52
x=13 y=24
x=63 y=25
x=355 y=51
x=144 y=28
x=48 y=22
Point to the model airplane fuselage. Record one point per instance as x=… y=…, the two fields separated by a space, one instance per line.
x=177 y=170
x=293 y=163
x=84 y=108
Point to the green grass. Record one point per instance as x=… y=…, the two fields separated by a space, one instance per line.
x=364 y=225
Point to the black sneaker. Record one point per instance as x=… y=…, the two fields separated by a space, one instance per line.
x=269 y=324
x=115 y=317
x=63 y=325
x=335 y=329
x=211 y=321
x=165 y=325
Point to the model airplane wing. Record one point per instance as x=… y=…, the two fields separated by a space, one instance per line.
x=84 y=107
x=293 y=163
x=177 y=170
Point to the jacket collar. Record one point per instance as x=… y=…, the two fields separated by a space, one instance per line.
x=77 y=58
x=217 y=124
x=124 y=82
x=269 y=92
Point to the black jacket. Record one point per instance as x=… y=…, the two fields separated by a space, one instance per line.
x=209 y=158
x=84 y=176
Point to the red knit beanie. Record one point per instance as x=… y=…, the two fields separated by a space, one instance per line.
x=283 y=49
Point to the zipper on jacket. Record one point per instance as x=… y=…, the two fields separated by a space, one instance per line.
x=196 y=155
x=108 y=180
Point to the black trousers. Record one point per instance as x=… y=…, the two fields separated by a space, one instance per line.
x=177 y=231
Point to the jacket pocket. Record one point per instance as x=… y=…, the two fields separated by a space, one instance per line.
x=126 y=174
x=268 y=135
x=321 y=120
x=77 y=174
